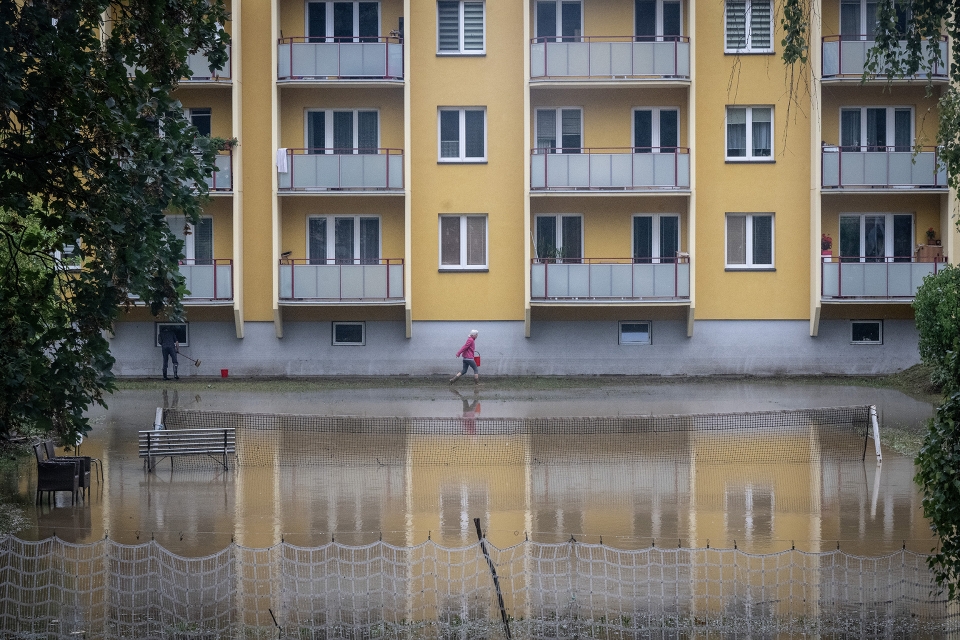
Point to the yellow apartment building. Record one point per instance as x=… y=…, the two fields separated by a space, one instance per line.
x=597 y=186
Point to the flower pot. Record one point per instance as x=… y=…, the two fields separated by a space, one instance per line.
x=827 y=255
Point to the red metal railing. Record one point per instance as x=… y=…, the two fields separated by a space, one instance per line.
x=214 y=264
x=387 y=263
x=390 y=177
x=870 y=262
x=341 y=41
x=875 y=151
x=634 y=153
x=547 y=41
x=590 y=294
x=938 y=71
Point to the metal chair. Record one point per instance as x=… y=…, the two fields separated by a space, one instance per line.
x=56 y=475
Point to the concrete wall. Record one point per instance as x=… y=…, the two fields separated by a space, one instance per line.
x=554 y=348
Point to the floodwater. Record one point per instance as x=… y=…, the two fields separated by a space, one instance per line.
x=544 y=490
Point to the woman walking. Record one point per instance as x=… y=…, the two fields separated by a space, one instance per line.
x=467 y=352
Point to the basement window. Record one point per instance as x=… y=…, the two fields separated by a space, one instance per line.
x=634 y=332
x=866 y=332
x=349 y=333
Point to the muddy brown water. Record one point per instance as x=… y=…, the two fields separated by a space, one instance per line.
x=667 y=499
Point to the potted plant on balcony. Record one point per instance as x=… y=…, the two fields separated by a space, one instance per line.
x=826 y=246
x=932 y=236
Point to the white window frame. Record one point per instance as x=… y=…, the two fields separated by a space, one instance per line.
x=890 y=117
x=635 y=343
x=461 y=158
x=748 y=32
x=333 y=334
x=189 y=239
x=879 y=324
x=749 y=263
x=558 y=129
x=749 y=157
x=331 y=249
x=888 y=234
x=463 y=266
x=659 y=19
x=655 y=226
x=328 y=8
x=189 y=112
x=559 y=241
x=461 y=27
x=654 y=127
x=328 y=128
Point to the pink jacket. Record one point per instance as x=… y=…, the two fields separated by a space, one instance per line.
x=467 y=349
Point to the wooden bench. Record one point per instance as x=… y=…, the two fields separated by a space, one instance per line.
x=168 y=443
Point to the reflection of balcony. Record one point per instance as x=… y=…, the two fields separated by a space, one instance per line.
x=610 y=280
x=323 y=170
x=339 y=281
x=845 y=57
x=200 y=67
x=881 y=167
x=887 y=278
x=610 y=169
x=331 y=59
x=208 y=280
x=610 y=58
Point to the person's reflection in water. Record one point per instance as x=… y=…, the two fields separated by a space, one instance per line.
x=471 y=409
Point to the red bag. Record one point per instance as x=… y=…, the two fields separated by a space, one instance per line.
x=476 y=357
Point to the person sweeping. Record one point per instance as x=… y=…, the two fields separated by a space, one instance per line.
x=467 y=352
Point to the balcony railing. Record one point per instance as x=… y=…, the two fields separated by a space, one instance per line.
x=303 y=58
x=610 y=58
x=341 y=170
x=208 y=279
x=610 y=280
x=200 y=67
x=884 y=167
x=222 y=178
x=880 y=278
x=846 y=57
x=337 y=281
x=629 y=169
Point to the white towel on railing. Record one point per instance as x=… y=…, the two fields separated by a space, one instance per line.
x=282 y=160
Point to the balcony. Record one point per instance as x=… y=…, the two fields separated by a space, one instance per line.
x=208 y=280
x=200 y=67
x=594 y=280
x=606 y=169
x=886 y=278
x=311 y=280
x=845 y=57
x=360 y=170
x=610 y=58
x=316 y=59
x=881 y=167
x=222 y=179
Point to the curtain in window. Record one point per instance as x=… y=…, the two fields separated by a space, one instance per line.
x=343 y=240
x=203 y=241
x=343 y=131
x=736 y=239
x=736 y=133
x=902 y=119
x=669 y=130
x=449 y=134
x=473 y=134
x=367 y=132
x=476 y=241
x=643 y=239
x=450 y=240
x=473 y=26
x=316 y=21
x=876 y=129
x=850 y=129
x=645 y=18
x=871 y=22
x=317 y=240
x=571 y=236
x=669 y=238
x=761 y=132
x=570 y=130
x=546 y=237
x=448 y=26
x=762 y=240
x=850 y=20
x=178 y=227
x=369 y=21
x=736 y=24
x=874 y=238
x=642 y=131
x=547 y=130
x=761 y=33
x=316 y=131
x=369 y=240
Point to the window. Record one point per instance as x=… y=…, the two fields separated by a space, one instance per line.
x=750 y=133
x=559 y=20
x=874 y=128
x=563 y=125
x=866 y=332
x=559 y=238
x=349 y=333
x=343 y=239
x=659 y=18
x=343 y=132
x=748 y=26
x=876 y=237
x=197 y=239
x=200 y=118
x=182 y=329
x=859 y=18
x=463 y=135
x=656 y=238
x=632 y=332
x=460 y=27
x=656 y=130
x=463 y=242
x=343 y=21
x=749 y=240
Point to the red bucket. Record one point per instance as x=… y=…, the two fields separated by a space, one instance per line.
x=476 y=358
x=224 y=373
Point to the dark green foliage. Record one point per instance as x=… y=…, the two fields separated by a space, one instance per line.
x=936 y=308
x=93 y=158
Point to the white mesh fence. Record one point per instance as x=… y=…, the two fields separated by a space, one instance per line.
x=53 y=589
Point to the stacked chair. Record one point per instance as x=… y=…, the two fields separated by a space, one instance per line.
x=86 y=461
x=57 y=475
